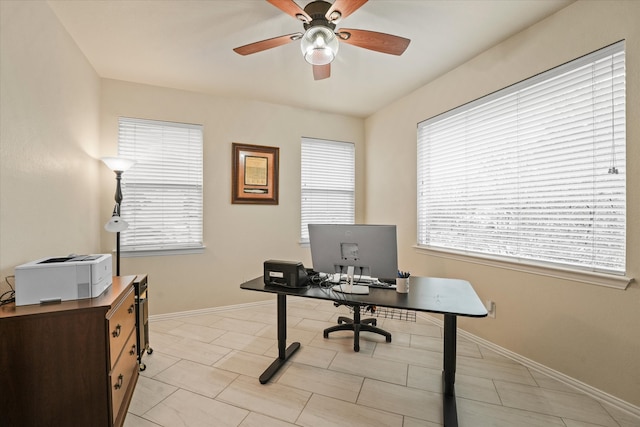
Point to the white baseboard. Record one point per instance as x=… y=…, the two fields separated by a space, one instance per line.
x=559 y=376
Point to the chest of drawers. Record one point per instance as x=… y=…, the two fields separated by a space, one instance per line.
x=69 y=364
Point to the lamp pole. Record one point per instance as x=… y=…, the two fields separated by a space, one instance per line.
x=118 y=197
x=116 y=224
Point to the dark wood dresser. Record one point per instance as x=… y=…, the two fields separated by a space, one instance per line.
x=69 y=364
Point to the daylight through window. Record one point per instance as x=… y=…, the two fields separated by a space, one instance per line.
x=327 y=183
x=534 y=173
x=163 y=190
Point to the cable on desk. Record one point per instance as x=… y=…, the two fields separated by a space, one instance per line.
x=10 y=295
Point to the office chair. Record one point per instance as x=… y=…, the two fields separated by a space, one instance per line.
x=356 y=325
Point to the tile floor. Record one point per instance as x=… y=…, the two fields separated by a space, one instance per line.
x=204 y=372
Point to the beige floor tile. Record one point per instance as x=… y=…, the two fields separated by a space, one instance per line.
x=414 y=356
x=395 y=384
x=414 y=422
x=426 y=343
x=623 y=418
x=164 y=325
x=364 y=366
x=322 y=381
x=315 y=325
x=238 y=325
x=133 y=420
x=258 y=420
x=559 y=403
x=323 y=411
x=196 y=332
x=202 y=379
x=149 y=393
x=156 y=363
x=240 y=362
x=494 y=370
x=186 y=409
x=405 y=401
x=342 y=341
x=196 y=351
x=202 y=319
x=479 y=414
x=467 y=387
x=244 y=342
x=308 y=355
x=293 y=334
x=272 y=399
x=574 y=423
x=545 y=381
x=415 y=328
x=323 y=316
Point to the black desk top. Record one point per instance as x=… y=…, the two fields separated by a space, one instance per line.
x=435 y=295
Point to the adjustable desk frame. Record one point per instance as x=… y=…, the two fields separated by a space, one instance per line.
x=450 y=297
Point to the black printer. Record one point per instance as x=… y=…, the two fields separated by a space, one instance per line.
x=291 y=274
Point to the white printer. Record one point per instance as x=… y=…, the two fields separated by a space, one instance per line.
x=62 y=279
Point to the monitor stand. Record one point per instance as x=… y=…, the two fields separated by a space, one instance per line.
x=349 y=287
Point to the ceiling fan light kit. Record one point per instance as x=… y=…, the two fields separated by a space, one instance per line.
x=320 y=41
x=319 y=45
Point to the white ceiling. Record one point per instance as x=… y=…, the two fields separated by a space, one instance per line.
x=188 y=45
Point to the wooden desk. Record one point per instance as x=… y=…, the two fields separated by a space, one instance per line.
x=450 y=297
x=72 y=363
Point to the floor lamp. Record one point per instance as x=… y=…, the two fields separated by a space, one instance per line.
x=116 y=224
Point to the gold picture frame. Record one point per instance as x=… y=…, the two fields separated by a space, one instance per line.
x=254 y=175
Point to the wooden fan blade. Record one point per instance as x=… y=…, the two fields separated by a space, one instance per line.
x=345 y=7
x=266 y=44
x=321 y=71
x=380 y=42
x=290 y=8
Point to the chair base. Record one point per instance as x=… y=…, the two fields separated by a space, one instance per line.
x=357 y=325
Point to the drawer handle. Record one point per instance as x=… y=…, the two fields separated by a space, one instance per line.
x=119 y=383
x=131 y=309
x=133 y=350
x=116 y=332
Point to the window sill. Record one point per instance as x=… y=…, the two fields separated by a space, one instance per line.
x=162 y=252
x=589 y=277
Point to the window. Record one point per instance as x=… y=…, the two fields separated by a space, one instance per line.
x=163 y=190
x=327 y=184
x=534 y=173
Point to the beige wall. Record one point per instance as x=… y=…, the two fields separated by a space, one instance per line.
x=56 y=120
x=587 y=332
x=49 y=140
x=239 y=238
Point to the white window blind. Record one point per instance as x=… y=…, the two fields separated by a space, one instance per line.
x=534 y=173
x=327 y=183
x=163 y=190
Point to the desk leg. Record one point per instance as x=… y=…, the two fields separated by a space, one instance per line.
x=449 y=372
x=284 y=353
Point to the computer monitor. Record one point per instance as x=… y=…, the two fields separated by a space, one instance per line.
x=371 y=249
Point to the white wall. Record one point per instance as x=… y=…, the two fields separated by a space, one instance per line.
x=49 y=142
x=239 y=238
x=587 y=332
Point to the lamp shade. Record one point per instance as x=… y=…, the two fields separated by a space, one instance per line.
x=319 y=45
x=116 y=224
x=119 y=164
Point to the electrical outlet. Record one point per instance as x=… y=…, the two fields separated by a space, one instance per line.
x=491 y=308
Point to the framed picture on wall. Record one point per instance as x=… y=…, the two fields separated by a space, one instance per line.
x=254 y=172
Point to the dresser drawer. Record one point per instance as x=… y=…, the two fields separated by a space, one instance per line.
x=123 y=373
x=121 y=321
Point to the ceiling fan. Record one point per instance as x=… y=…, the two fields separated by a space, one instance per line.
x=320 y=41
